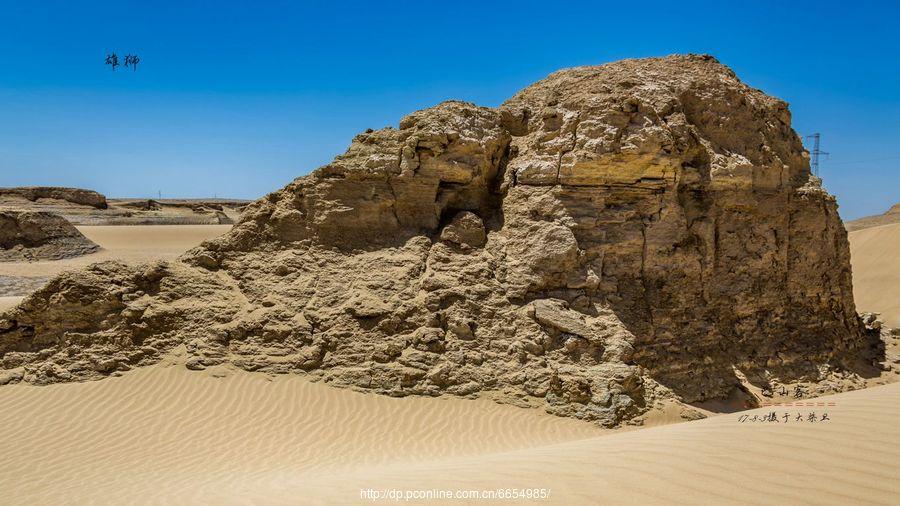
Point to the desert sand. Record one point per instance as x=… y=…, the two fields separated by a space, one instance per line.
x=164 y=434
x=8 y=302
x=876 y=271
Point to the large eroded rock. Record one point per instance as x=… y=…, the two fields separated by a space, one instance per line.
x=610 y=235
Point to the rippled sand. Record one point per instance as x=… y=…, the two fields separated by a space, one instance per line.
x=166 y=434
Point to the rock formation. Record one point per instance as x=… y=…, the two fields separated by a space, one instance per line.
x=72 y=195
x=87 y=207
x=610 y=235
x=27 y=235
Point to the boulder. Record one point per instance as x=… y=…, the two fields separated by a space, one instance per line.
x=466 y=229
x=38 y=235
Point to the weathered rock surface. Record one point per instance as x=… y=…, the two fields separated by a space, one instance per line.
x=26 y=235
x=466 y=229
x=610 y=235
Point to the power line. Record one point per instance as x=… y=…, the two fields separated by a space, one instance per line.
x=816 y=152
x=866 y=160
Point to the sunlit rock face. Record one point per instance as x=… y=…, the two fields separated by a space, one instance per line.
x=691 y=201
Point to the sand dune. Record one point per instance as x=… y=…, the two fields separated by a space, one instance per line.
x=165 y=434
x=891 y=216
x=176 y=435
x=853 y=458
x=875 y=256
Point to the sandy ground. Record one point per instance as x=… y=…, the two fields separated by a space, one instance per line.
x=186 y=436
x=127 y=243
x=875 y=255
x=8 y=302
x=163 y=434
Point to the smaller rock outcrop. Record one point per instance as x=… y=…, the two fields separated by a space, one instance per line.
x=74 y=195
x=30 y=235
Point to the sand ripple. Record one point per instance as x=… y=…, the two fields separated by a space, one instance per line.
x=163 y=434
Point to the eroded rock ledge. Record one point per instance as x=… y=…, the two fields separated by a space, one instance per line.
x=610 y=235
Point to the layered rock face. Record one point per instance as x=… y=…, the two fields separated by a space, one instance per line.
x=609 y=236
x=30 y=235
x=690 y=198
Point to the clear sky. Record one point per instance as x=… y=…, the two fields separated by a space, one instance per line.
x=238 y=98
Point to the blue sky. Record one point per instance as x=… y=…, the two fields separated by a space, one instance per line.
x=238 y=98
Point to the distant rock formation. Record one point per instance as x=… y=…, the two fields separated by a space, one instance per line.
x=73 y=195
x=610 y=236
x=891 y=216
x=27 y=235
x=87 y=207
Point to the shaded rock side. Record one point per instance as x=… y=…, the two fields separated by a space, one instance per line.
x=29 y=235
x=609 y=236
